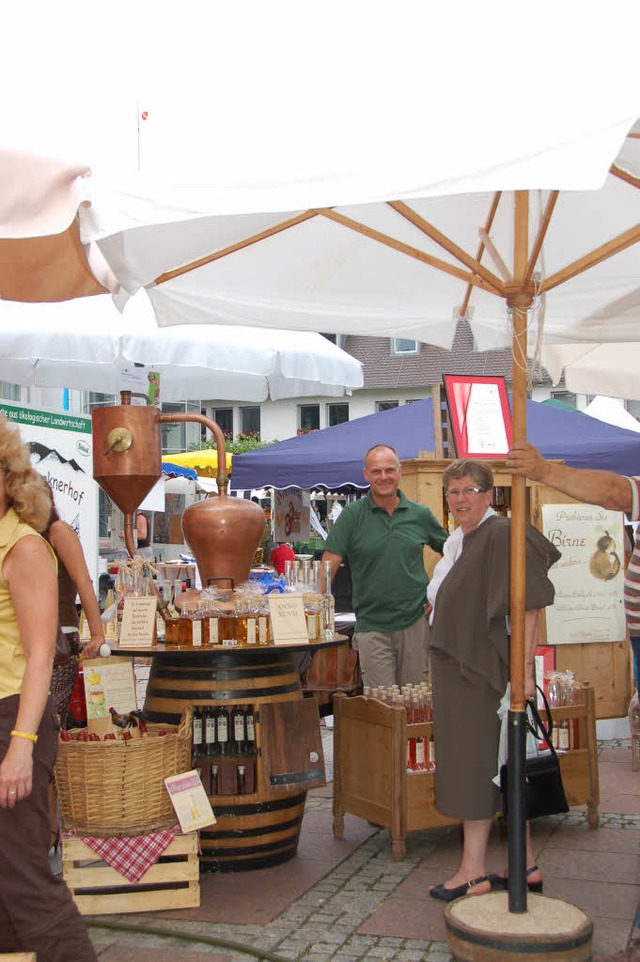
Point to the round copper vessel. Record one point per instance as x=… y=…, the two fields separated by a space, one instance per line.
x=223 y=534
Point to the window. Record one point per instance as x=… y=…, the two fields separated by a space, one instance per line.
x=224 y=419
x=337 y=414
x=93 y=399
x=180 y=436
x=9 y=392
x=338 y=339
x=386 y=405
x=403 y=345
x=250 y=420
x=566 y=397
x=309 y=417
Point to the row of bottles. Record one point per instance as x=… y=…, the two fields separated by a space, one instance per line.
x=417 y=702
x=241 y=617
x=563 y=690
x=224 y=748
x=218 y=730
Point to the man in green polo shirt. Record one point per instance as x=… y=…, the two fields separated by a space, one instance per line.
x=383 y=536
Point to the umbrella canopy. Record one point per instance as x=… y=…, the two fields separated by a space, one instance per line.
x=611 y=369
x=333 y=458
x=203 y=463
x=404 y=267
x=86 y=343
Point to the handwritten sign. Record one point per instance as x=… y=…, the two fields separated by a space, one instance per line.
x=589 y=576
x=138 y=622
x=108 y=682
x=288 y=623
x=190 y=801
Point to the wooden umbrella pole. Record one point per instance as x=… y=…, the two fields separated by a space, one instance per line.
x=518 y=300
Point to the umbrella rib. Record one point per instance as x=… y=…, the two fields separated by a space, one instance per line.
x=624 y=175
x=410 y=251
x=540 y=236
x=593 y=258
x=450 y=246
x=247 y=242
x=480 y=251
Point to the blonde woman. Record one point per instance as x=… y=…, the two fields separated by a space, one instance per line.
x=37 y=912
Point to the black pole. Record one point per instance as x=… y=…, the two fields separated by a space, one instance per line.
x=516 y=816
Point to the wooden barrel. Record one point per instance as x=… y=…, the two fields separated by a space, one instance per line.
x=258 y=829
x=480 y=928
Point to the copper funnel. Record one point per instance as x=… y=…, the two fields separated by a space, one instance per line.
x=126 y=453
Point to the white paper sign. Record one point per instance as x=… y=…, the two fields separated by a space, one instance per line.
x=190 y=801
x=138 y=622
x=589 y=576
x=288 y=623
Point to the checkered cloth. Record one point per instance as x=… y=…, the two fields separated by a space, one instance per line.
x=131 y=855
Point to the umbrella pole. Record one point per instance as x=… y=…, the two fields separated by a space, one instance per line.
x=518 y=302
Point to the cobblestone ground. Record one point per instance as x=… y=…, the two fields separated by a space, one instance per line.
x=322 y=925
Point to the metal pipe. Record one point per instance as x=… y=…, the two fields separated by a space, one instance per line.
x=222 y=479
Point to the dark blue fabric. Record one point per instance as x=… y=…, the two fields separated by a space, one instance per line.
x=332 y=458
x=177 y=471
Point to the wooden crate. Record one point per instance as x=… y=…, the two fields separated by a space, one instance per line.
x=172 y=883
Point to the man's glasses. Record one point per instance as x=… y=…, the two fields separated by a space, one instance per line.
x=464 y=492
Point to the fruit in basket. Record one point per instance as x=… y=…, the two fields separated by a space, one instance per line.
x=94 y=737
x=82 y=736
x=110 y=736
x=66 y=736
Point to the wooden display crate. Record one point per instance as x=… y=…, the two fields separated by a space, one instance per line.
x=370 y=767
x=172 y=883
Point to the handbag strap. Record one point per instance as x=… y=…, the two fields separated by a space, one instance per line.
x=538 y=726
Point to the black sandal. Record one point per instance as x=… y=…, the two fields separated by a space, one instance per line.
x=500 y=883
x=449 y=895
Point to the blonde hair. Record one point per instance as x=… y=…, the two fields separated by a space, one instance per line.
x=26 y=491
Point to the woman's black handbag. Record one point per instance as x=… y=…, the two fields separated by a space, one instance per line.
x=544 y=791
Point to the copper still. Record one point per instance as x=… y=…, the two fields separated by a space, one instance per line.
x=222 y=532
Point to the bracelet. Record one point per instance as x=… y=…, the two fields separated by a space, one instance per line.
x=27 y=735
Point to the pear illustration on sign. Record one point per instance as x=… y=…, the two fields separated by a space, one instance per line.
x=604 y=563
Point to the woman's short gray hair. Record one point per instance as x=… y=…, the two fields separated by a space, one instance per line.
x=472 y=468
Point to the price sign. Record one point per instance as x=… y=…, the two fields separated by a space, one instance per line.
x=288 y=623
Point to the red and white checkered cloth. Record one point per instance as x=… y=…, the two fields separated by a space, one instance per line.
x=131 y=855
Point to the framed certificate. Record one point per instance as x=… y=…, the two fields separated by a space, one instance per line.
x=480 y=415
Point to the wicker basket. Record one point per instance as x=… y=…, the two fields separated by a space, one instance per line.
x=117 y=787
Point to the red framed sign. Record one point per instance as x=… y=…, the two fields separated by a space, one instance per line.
x=479 y=414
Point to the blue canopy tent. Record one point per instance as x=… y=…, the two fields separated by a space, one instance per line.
x=331 y=459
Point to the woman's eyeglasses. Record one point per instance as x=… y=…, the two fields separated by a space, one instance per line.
x=464 y=492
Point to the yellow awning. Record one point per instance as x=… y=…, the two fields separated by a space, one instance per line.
x=205 y=462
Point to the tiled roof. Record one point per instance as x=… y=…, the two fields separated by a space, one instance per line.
x=383 y=369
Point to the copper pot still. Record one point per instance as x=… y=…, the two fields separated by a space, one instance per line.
x=223 y=534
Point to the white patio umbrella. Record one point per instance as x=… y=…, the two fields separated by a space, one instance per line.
x=86 y=344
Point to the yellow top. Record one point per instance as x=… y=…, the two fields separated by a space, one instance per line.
x=12 y=658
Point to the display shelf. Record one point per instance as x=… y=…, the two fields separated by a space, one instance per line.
x=370 y=767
